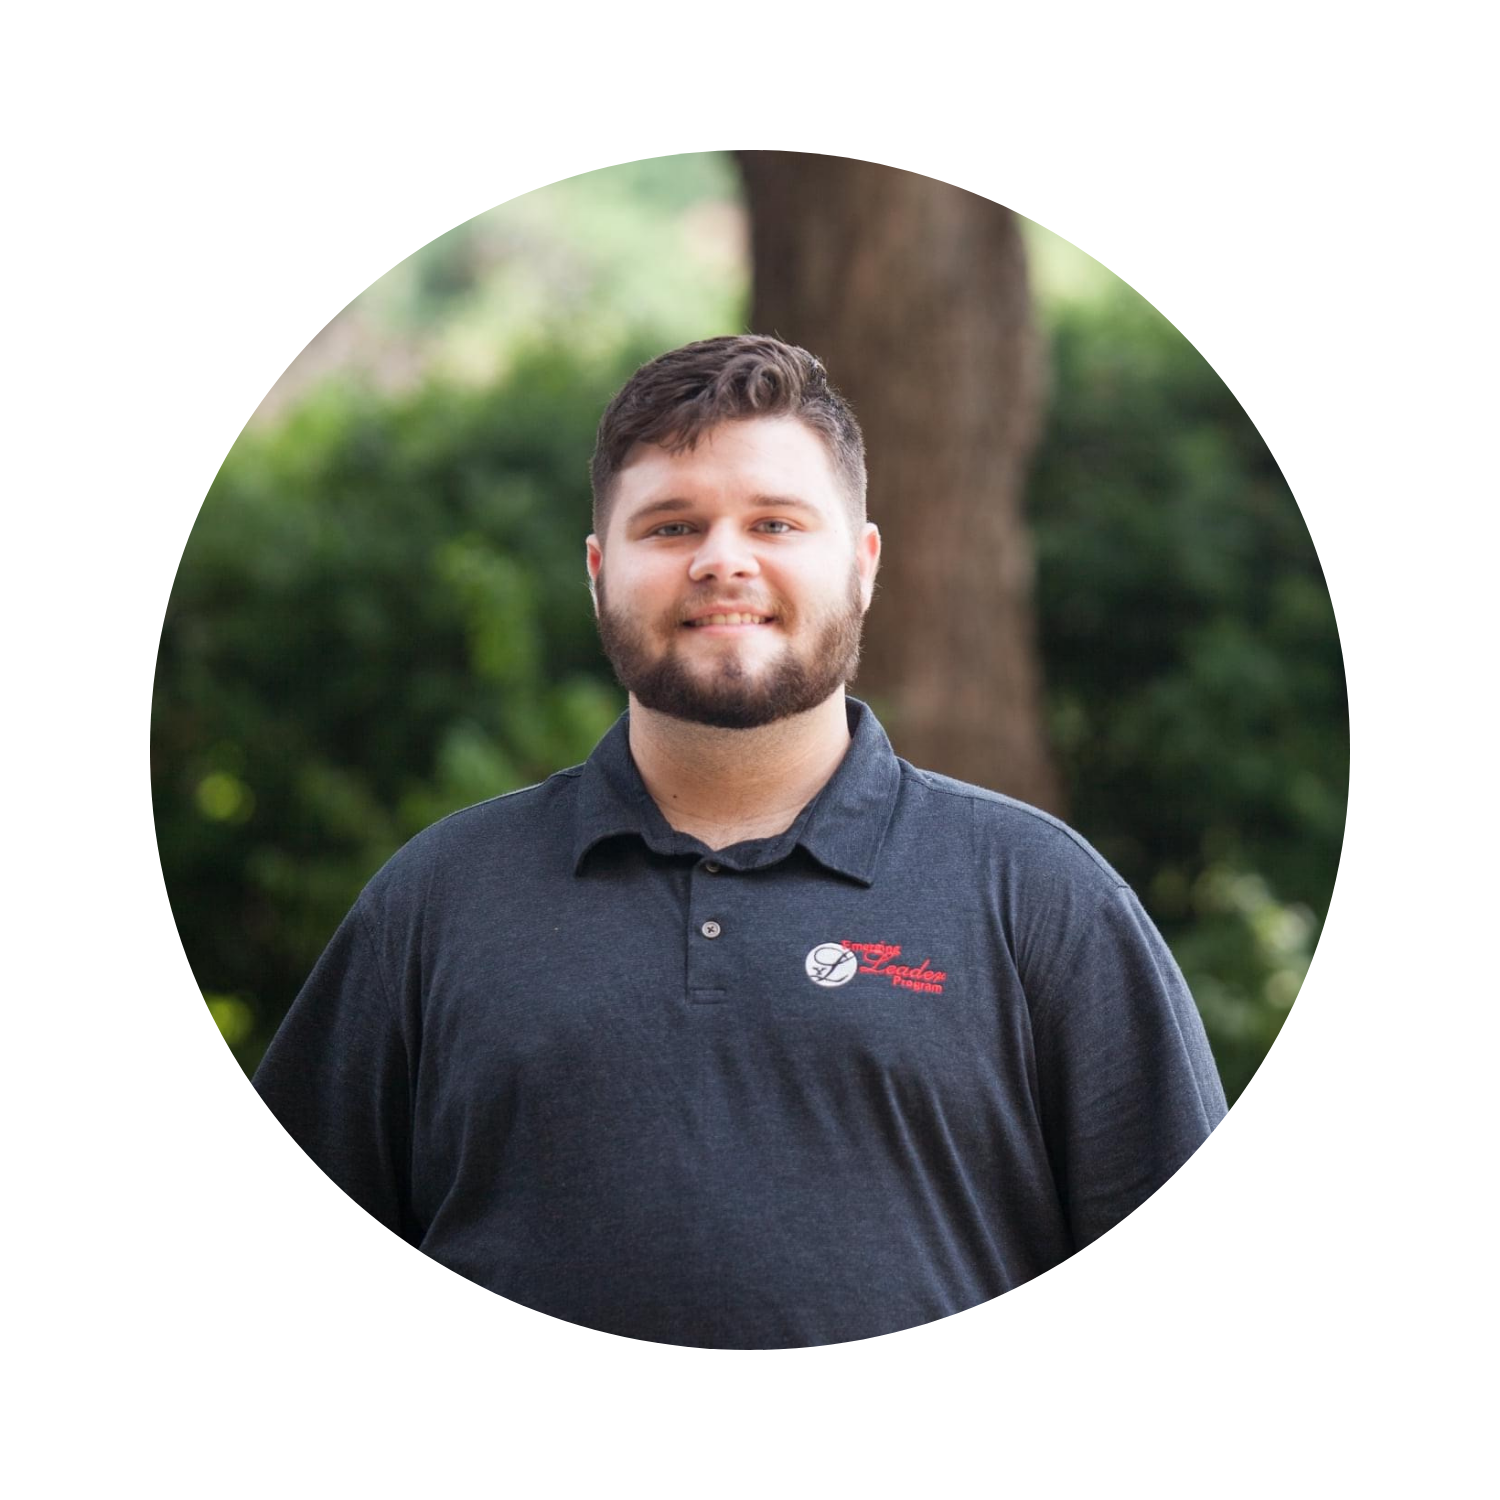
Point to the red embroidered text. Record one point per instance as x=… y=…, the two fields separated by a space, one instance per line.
x=875 y=958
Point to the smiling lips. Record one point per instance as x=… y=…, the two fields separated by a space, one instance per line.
x=704 y=621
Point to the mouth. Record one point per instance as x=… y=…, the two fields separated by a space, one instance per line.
x=717 y=624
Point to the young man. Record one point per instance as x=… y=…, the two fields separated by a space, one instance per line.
x=744 y=1034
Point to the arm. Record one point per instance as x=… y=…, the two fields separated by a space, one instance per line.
x=1127 y=1082
x=338 y=1076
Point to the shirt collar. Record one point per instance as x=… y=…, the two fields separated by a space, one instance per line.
x=843 y=827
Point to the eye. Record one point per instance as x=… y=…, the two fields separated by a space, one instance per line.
x=672 y=528
x=781 y=527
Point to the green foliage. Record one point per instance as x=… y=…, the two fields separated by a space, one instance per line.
x=650 y=249
x=1194 y=676
x=380 y=616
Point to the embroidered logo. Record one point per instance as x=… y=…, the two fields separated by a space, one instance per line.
x=877 y=960
x=831 y=964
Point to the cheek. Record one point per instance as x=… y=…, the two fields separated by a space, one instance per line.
x=815 y=588
x=634 y=587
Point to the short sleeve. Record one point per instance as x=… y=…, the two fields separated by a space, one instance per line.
x=1127 y=1084
x=337 y=1075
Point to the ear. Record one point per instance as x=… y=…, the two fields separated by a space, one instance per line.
x=594 y=560
x=867 y=559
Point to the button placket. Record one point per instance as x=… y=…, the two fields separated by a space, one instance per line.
x=710 y=929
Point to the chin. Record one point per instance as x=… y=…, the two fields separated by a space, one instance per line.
x=735 y=699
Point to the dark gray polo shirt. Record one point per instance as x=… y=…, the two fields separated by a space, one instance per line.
x=879 y=1068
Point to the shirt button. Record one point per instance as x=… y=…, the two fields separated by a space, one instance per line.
x=710 y=929
x=710 y=866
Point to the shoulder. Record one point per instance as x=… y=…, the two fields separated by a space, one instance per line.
x=1005 y=830
x=478 y=840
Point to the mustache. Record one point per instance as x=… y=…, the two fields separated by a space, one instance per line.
x=728 y=603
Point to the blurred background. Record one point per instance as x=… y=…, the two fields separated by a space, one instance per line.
x=1097 y=592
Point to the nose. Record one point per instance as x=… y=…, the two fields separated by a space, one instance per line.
x=725 y=552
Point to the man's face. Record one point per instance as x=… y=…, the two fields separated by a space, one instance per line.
x=751 y=525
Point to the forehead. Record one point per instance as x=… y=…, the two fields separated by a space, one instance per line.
x=735 y=461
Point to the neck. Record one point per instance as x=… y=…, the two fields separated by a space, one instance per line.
x=723 y=786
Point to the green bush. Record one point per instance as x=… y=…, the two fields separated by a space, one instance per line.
x=380 y=616
x=1194 y=678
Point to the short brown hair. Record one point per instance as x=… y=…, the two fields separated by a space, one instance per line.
x=679 y=396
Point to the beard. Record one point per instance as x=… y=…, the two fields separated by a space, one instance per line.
x=722 y=694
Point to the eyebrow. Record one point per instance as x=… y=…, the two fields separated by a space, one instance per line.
x=675 y=503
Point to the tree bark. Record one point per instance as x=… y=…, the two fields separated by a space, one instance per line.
x=914 y=295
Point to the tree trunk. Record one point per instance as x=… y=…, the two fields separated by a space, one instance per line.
x=914 y=295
